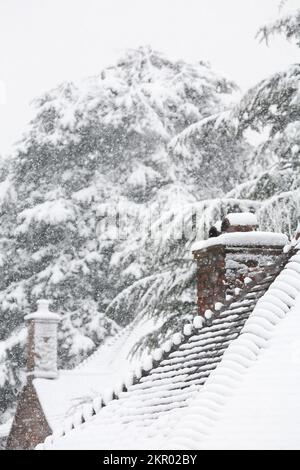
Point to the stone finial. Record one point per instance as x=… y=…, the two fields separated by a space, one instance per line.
x=43 y=312
x=42 y=341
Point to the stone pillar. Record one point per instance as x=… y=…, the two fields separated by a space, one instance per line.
x=42 y=342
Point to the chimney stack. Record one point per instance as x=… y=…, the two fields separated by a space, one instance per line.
x=42 y=342
x=228 y=257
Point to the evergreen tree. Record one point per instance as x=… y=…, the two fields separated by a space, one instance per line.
x=271 y=109
x=94 y=161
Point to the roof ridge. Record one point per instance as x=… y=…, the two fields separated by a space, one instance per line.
x=243 y=351
x=153 y=360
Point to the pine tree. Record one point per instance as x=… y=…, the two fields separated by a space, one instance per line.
x=272 y=109
x=94 y=161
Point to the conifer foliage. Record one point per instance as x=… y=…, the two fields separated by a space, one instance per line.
x=114 y=179
x=94 y=160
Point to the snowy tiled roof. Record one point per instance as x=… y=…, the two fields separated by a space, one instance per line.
x=94 y=376
x=252 y=400
x=170 y=380
x=79 y=385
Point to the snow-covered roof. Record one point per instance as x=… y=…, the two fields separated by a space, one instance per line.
x=96 y=375
x=145 y=412
x=252 y=400
x=243 y=239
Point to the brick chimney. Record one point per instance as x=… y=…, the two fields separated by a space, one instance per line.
x=224 y=261
x=42 y=342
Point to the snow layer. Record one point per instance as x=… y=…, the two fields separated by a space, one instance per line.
x=243 y=239
x=242 y=218
x=252 y=399
x=265 y=410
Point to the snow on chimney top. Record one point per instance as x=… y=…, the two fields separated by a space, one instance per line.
x=43 y=312
x=244 y=239
x=239 y=222
x=228 y=258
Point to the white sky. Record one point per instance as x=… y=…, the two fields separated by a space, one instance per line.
x=44 y=42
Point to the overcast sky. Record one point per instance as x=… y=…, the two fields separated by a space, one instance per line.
x=44 y=42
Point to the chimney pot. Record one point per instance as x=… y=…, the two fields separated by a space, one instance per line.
x=43 y=304
x=239 y=222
